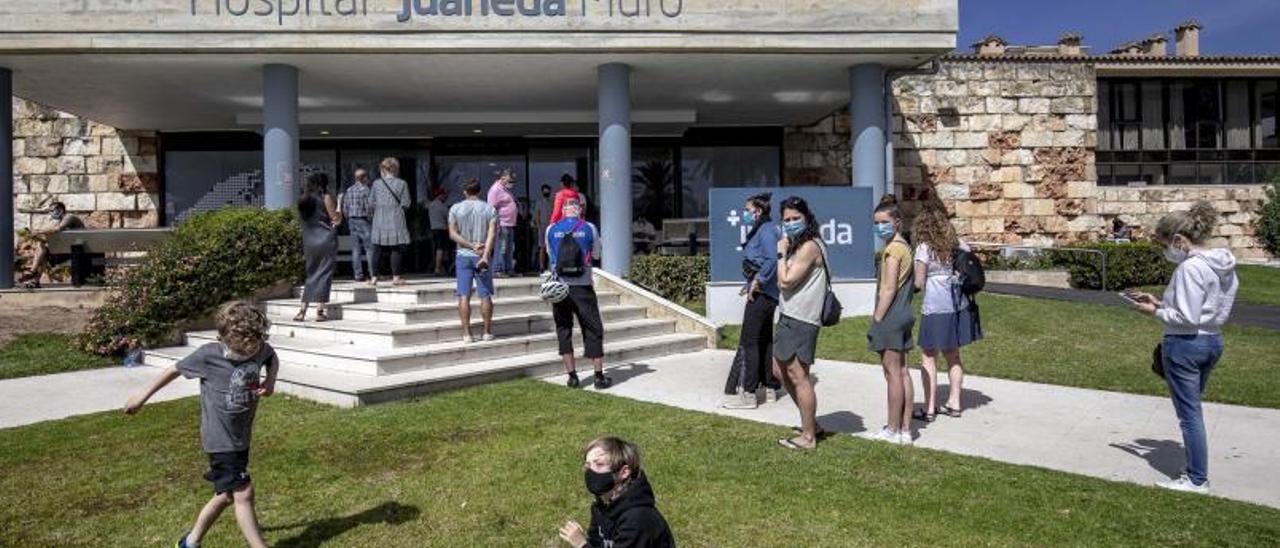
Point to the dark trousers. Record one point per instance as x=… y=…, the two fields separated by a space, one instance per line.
x=756 y=342
x=582 y=303
x=397 y=258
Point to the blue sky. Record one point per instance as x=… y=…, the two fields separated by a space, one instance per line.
x=1230 y=26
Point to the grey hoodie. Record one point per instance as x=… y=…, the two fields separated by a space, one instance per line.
x=1199 y=297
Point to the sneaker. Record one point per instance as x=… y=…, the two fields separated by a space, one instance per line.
x=741 y=400
x=182 y=542
x=488 y=337
x=603 y=382
x=573 y=380
x=1184 y=484
x=772 y=395
x=905 y=438
x=467 y=339
x=885 y=434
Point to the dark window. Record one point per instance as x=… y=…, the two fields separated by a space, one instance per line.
x=1265 y=121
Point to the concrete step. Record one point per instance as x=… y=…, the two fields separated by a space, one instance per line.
x=410 y=314
x=363 y=360
x=378 y=335
x=435 y=291
x=348 y=390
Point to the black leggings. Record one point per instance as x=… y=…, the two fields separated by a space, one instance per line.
x=582 y=303
x=755 y=341
x=397 y=255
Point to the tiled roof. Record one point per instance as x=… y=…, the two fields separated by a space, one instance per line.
x=1120 y=59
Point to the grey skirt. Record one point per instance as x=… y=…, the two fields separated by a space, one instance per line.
x=794 y=340
x=892 y=333
x=950 y=330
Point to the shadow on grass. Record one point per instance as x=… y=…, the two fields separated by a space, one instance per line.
x=1164 y=456
x=320 y=531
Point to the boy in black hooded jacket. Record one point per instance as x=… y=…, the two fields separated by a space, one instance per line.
x=624 y=514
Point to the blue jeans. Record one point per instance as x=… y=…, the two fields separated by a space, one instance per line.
x=504 y=260
x=361 y=245
x=1188 y=360
x=465 y=269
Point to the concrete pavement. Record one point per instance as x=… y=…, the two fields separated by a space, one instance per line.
x=30 y=400
x=1108 y=435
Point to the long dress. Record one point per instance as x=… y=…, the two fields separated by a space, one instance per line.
x=320 y=248
x=390 y=197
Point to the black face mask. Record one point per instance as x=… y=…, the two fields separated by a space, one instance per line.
x=599 y=484
x=546 y=194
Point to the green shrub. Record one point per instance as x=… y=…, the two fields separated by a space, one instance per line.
x=1131 y=264
x=1267 y=222
x=210 y=259
x=676 y=278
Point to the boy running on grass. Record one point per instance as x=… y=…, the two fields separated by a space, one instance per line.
x=229 y=373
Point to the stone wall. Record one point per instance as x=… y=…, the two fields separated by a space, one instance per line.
x=1008 y=148
x=107 y=176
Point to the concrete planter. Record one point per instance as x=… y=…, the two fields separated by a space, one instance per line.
x=1043 y=278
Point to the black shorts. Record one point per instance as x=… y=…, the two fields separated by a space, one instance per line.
x=228 y=471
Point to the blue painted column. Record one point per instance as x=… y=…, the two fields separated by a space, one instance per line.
x=6 y=178
x=867 y=110
x=614 y=111
x=280 y=135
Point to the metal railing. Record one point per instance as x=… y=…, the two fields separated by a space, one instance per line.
x=1042 y=249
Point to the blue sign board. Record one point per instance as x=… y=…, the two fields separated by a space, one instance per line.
x=844 y=221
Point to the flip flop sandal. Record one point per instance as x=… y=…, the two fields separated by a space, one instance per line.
x=818 y=434
x=301 y=317
x=322 y=316
x=950 y=411
x=792 y=445
x=920 y=415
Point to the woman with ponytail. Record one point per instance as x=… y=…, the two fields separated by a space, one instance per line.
x=890 y=331
x=1196 y=303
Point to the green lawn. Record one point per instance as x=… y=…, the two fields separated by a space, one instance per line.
x=44 y=353
x=1085 y=345
x=1258 y=285
x=498 y=466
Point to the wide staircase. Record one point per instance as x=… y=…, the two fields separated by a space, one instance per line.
x=389 y=343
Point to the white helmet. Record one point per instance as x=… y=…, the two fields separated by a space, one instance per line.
x=553 y=291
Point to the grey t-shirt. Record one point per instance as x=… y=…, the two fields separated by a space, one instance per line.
x=473 y=218
x=228 y=394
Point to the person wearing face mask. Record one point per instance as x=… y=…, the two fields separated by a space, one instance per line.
x=1196 y=303
x=624 y=512
x=891 y=323
x=38 y=254
x=540 y=221
x=760 y=268
x=802 y=283
x=503 y=201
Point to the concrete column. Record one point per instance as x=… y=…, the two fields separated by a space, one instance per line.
x=867 y=109
x=280 y=135
x=614 y=104
x=6 y=179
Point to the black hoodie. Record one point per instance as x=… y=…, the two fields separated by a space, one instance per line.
x=632 y=521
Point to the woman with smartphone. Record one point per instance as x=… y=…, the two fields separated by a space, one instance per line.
x=1195 y=305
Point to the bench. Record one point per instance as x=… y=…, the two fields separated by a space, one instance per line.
x=86 y=246
x=684 y=236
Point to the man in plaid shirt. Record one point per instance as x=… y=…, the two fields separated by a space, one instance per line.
x=359 y=214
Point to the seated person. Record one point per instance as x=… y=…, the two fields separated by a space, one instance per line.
x=624 y=514
x=643 y=235
x=38 y=254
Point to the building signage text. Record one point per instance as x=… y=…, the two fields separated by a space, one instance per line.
x=282 y=10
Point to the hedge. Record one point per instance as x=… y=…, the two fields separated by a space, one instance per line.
x=211 y=258
x=677 y=278
x=1131 y=264
x=1267 y=222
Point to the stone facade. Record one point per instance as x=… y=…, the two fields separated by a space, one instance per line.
x=1008 y=148
x=107 y=176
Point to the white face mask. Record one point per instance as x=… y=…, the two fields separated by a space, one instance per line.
x=1175 y=255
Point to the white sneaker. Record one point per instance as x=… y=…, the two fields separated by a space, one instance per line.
x=466 y=339
x=741 y=400
x=771 y=395
x=488 y=337
x=905 y=438
x=1183 y=483
x=885 y=434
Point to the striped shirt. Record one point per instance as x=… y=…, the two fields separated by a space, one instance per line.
x=355 y=203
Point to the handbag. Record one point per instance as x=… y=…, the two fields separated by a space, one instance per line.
x=1157 y=360
x=832 y=310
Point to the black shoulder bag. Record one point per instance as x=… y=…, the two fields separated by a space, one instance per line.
x=832 y=310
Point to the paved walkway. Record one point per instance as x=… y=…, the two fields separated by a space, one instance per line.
x=1102 y=434
x=1255 y=315
x=30 y=400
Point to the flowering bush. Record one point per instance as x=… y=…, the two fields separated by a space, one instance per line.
x=210 y=259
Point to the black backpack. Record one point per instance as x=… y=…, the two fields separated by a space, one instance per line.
x=570 y=260
x=969 y=271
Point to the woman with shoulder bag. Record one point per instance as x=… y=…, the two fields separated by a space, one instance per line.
x=390 y=232
x=802 y=280
x=1196 y=304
